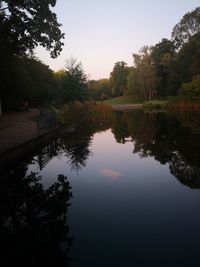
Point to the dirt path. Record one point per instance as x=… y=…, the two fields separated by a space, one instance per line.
x=17 y=128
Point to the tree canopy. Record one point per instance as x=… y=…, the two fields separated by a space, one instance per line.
x=163 y=54
x=192 y=88
x=25 y=24
x=118 y=78
x=145 y=72
x=165 y=69
x=73 y=81
x=186 y=28
x=100 y=89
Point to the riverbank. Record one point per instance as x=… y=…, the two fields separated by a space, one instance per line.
x=19 y=134
x=17 y=128
x=175 y=102
x=127 y=106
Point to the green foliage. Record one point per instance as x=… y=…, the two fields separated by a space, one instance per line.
x=73 y=82
x=118 y=79
x=31 y=81
x=34 y=82
x=146 y=75
x=133 y=83
x=155 y=105
x=164 y=70
x=163 y=58
x=159 y=71
x=78 y=114
x=188 y=59
x=43 y=88
x=13 y=90
x=25 y=24
x=192 y=88
x=100 y=89
x=186 y=28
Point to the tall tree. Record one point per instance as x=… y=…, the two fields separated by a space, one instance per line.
x=186 y=65
x=27 y=23
x=74 y=82
x=186 y=28
x=133 y=83
x=146 y=73
x=118 y=78
x=163 y=55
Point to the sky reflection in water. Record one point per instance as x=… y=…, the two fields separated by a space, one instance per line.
x=128 y=208
x=136 y=195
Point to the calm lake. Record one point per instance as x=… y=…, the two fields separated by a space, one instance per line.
x=121 y=192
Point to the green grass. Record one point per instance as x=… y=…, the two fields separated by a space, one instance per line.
x=121 y=100
x=155 y=104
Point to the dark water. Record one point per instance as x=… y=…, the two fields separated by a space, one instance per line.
x=120 y=192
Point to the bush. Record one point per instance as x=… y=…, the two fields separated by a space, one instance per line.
x=191 y=88
x=155 y=104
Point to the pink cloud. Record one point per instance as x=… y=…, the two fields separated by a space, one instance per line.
x=111 y=174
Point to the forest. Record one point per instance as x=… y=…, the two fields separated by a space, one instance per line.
x=168 y=68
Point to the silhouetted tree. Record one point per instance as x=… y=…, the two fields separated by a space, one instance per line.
x=186 y=28
x=73 y=82
x=163 y=56
x=25 y=24
x=33 y=226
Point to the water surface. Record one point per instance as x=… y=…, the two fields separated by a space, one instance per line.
x=133 y=187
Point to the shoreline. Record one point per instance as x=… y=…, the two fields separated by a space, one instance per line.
x=127 y=106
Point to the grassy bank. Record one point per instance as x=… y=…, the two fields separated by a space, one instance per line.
x=176 y=102
x=122 y=100
x=155 y=104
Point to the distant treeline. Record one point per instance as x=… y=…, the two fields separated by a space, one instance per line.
x=169 y=68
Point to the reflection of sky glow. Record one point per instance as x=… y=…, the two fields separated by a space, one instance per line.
x=111 y=173
x=126 y=205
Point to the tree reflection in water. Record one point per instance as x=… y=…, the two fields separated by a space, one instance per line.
x=185 y=173
x=33 y=220
x=33 y=224
x=76 y=148
x=172 y=139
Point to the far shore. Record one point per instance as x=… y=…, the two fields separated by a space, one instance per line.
x=127 y=106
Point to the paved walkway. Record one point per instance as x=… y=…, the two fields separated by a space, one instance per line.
x=17 y=128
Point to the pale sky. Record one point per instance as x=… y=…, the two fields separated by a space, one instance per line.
x=101 y=32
